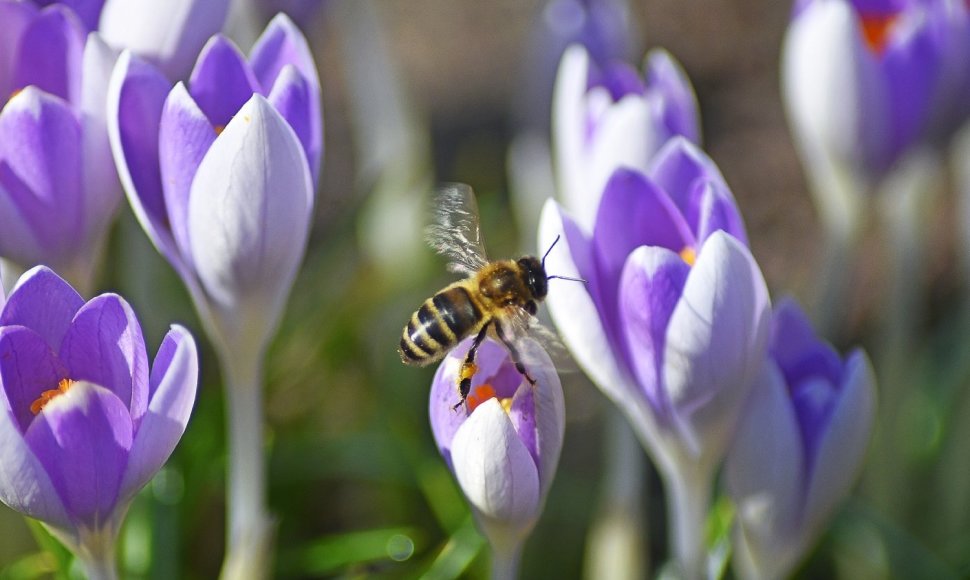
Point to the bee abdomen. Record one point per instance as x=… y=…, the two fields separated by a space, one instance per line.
x=439 y=325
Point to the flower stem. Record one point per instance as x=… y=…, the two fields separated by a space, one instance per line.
x=505 y=561
x=100 y=568
x=249 y=542
x=688 y=503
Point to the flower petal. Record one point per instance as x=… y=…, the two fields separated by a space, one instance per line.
x=28 y=367
x=249 y=213
x=569 y=133
x=16 y=18
x=88 y=11
x=43 y=302
x=40 y=179
x=174 y=379
x=649 y=290
x=573 y=307
x=185 y=136
x=82 y=438
x=676 y=102
x=104 y=345
x=222 y=81
x=765 y=474
x=295 y=101
x=50 y=54
x=494 y=468
x=168 y=34
x=24 y=483
x=101 y=185
x=136 y=98
x=716 y=342
x=843 y=445
x=280 y=46
x=541 y=408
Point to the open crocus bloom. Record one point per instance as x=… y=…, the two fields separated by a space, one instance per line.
x=503 y=445
x=609 y=117
x=220 y=172
x=865 y=81
x=672 y=323
x=58 y=185
x=796 y=455
x=86 y=422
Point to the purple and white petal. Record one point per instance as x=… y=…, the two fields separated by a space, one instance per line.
x=43 y=302
x=222 y=81
x=174 y=379
x=50 y=52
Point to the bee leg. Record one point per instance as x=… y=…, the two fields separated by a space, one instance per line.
x=516 y=358
x=469 y=368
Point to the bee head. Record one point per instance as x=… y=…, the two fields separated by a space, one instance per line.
x=534 y=276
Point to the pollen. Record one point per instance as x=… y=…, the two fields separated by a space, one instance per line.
x=689 y=255
x=47 y=396
x=875 y=30
x=219 y=129
x=479 y=395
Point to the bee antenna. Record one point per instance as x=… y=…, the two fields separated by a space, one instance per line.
x=551 y=246
x=566 y=278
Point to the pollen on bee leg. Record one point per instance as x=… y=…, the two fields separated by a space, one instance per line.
x=689 y=255
x=467 y=371
x=47 y=396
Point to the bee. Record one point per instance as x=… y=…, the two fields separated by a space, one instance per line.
x=498 y=299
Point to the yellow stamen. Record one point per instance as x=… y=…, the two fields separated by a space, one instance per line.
x=47 y=396
x=688 y=255
x=15 y=93
x=506 y=404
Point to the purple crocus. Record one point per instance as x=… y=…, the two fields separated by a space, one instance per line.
x=800 y=447
x=607 y=116
x=86 y=421
x=866 y=81
x=503 y=445
x=220 y=172
x=673 y=320
x=58 y=185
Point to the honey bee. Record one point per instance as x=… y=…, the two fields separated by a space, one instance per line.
x=496 y=299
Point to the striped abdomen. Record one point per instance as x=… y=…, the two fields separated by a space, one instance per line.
x=441 y=323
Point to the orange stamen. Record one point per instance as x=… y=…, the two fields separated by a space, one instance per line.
x=219 y=129
x=688 y=255
x=875 y=30
x=479 y=395
x=47 y=396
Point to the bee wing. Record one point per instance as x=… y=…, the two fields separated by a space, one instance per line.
x=454 y=231
x=517 y=324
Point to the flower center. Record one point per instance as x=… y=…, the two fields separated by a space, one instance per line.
x=875 y=30
x=47 y=396
x=689 y=255
x=482 y=393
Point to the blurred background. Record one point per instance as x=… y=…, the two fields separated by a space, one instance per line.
x=425 y=91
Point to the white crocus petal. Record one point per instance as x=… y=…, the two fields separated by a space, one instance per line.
x=833 y=94
x=550 y=409
x=494 y=468
x=169 y=34
x=249 y=214
x=715 y=345
x=569 y=123
x=842 y=447
x=764 y=474
x=574 y=313
x=101 y=184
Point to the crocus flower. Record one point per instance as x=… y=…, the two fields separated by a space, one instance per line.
x=503 y=445
x=86 y=422
x=609 y=117
x=800 y=447
x=673 y=320
x=58 y=185
x=866 y=81
x=88 y=11
x=167 y=34
x=221 y=176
